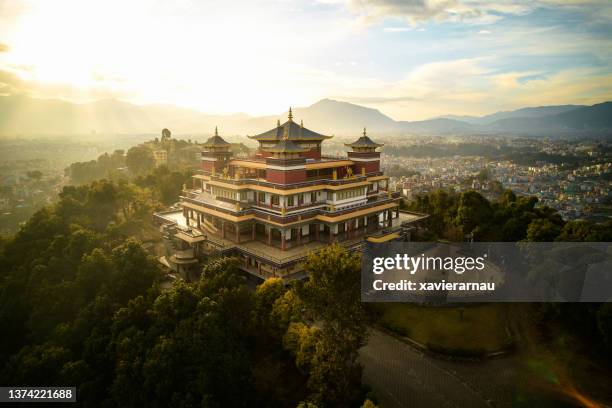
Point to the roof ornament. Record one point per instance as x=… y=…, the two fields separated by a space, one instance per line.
x=364 y=131
x=301 y=123
x=216 y=131
x=290 y=114
x=277 y=123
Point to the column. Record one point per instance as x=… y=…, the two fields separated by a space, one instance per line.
x=349 y=229
x=237 y=233
x=253 y=232
x=331 y=233
x=282 y=240
x=269 y=235
x=222 y=229
x=299 y=235
x=317 y=226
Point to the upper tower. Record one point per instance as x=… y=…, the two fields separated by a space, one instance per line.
x=216 y=153
x=301 y=137
x=285 y=160
x=364 y=154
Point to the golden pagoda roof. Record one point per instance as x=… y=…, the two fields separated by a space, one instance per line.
x=286 y=146
x=364 y=141
x=294 y=131
x=216 y=140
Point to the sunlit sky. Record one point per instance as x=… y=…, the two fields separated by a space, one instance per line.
x=412 y=59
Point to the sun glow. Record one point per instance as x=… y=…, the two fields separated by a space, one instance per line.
x=258 y=56
x=208 y=58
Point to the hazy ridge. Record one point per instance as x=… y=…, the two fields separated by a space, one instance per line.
x=20 y=115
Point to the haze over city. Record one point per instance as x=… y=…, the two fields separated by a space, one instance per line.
x=412 y=60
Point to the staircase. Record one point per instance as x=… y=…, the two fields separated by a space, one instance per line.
x=209 y=227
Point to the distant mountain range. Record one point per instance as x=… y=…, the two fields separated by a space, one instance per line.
x=21 y=115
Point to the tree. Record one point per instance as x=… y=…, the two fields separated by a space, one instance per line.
x=473 y=211
x=139 y=160
x=264 y=300
x=332 y=294
x=542 y=230
x=585 y=231
x=135 y=270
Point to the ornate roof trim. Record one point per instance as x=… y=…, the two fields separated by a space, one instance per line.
x=216 y=140
x=364 y=141
x=295 y=132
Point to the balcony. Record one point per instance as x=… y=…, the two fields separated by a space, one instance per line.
x=315 y=181
x=265 y=214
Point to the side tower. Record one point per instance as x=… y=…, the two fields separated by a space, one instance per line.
x=216 y=154
x=364 y=154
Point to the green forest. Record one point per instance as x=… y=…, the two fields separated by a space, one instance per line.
x=80 y=304
x=455 y=217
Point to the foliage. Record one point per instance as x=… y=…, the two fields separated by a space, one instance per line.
x=106 y=166
x=139 y=160
x=509 y=219
x=512 y=218
x=166 y=184
x=80 y=300
x=329 y=354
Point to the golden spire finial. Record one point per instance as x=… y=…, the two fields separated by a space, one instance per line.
x=216 y=131
x=301 y=123
x=364 y=131
x=290 y=114
x=277 y=123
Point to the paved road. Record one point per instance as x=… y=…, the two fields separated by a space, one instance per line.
x=401 y=376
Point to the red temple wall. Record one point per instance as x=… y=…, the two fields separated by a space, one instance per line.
x=285 y=176
x=370 y=167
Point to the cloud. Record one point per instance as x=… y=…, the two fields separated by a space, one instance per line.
x=4 y=47
x=12 y=83
x=413 y=10
x=396 y=29
x=484 y=32
x=467 y=11
x=477 y=12
x=470 y=87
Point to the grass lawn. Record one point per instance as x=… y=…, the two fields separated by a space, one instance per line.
x=469 y=330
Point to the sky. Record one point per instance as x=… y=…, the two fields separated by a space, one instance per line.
x=411 y=59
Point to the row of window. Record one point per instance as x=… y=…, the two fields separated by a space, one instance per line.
x=222 y=192
x=352 y=193
x=291 y=201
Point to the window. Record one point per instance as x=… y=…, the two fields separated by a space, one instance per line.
x=313 y=197
x=290 y=201
x=262 y=197
x=352 y=193
x=223 y=193
x=275 y=199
